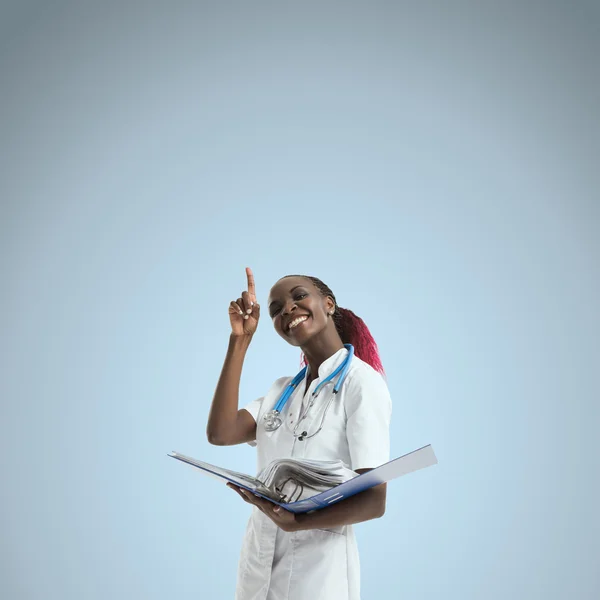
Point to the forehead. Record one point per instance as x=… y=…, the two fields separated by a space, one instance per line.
x=286 y=285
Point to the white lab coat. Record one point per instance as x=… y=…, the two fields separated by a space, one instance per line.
x=315 y=564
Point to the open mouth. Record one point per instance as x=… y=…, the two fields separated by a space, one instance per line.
x=296 y=323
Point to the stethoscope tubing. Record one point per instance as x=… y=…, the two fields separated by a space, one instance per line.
x=342 y=370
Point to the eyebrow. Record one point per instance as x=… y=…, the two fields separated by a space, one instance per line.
x=294 y=288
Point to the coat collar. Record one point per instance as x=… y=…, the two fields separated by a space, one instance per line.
x=330 y=364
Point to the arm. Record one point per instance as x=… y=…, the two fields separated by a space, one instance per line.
x=227 y=425
x=361 y=507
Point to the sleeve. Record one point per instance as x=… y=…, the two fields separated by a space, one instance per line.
x=369 y=411
x=254 y=409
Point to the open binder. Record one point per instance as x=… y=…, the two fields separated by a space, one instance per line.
x=413 y=461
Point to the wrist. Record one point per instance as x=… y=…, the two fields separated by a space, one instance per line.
x=300 y=521
x=240 y=341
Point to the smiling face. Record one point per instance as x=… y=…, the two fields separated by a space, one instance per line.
x=298 y=310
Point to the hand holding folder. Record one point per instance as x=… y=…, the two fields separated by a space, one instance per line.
x=314 y=484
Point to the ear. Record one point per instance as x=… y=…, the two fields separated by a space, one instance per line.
x=329 y=304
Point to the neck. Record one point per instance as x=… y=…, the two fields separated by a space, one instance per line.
x=317 y=351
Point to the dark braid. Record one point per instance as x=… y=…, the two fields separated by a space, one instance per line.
x=350 y=327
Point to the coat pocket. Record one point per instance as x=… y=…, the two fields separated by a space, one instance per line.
x=319 y=565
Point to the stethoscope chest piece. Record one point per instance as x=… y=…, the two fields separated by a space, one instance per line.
x=272 y=420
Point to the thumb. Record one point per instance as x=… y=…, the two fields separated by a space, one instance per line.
x=277 y=509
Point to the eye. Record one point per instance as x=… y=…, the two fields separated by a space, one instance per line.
x=298 y=296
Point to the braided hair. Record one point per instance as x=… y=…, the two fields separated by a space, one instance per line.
x=350 y=327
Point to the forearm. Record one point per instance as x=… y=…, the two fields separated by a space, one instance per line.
x=223 y=412
x=364 y=506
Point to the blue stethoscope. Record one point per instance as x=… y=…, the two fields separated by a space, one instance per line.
x=272 y=419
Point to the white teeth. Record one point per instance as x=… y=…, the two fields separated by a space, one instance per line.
x=297 y=322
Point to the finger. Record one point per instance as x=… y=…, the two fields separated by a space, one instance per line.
x=254 y=499
x=242 y=305
x=233 y=487
x=234 y=307
x=247 y=302
x=243 y=497
x=256 y=310
x=250 y=498
x=251 y=287
x=263 y=504
x=238 y=491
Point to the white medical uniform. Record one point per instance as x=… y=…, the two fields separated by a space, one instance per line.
x=315 y=564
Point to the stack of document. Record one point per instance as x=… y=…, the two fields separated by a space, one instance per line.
x=290 y=479
x=283 y=480
x=302 y=486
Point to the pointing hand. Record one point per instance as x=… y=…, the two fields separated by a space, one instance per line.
x=245 y=311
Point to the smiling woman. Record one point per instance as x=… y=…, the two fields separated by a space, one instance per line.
x=314 y=555
x=351 y=328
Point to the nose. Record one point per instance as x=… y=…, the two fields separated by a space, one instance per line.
x=289 y=307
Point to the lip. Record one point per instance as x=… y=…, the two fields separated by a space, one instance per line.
x=287 y=325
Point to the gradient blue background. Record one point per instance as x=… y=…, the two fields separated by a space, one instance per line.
x=435 y=163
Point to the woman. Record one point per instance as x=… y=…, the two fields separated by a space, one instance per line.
x=314 y=555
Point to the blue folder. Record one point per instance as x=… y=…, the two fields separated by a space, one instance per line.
x=413 y=461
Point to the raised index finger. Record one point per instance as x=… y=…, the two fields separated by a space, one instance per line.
x=251 y=288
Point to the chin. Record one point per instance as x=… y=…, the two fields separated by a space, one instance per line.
x=302 y=338
x=296 y=341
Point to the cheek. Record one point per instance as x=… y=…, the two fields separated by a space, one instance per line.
x=277 y=325
x=318 y=308
x=317 y=314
